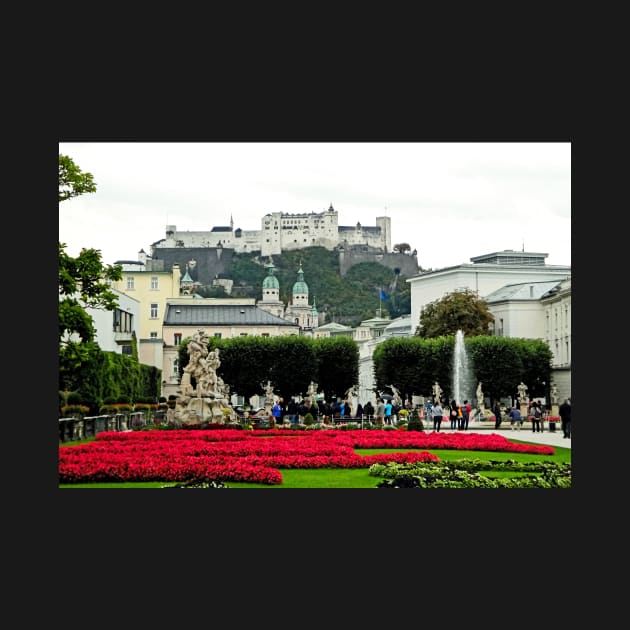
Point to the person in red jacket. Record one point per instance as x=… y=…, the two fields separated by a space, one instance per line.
x=466 y=409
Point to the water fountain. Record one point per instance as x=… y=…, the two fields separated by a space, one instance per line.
x=463 y=382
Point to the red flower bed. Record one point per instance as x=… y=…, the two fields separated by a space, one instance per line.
x=233 y=455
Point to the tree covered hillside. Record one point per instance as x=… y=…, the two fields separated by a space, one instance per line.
x=347 y=300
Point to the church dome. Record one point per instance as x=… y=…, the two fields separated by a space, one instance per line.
x=271 y=282
x=300 y=286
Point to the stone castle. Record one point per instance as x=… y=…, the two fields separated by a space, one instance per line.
x=207 y=256
x=283 y=231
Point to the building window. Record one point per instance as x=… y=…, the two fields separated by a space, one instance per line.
x=178 y=338
x=126 y=349
x=131 y=283
x=153 y=335
x=154 y=311
x=217 y=335
x=243 y=334
x=154 y=283
x=264 y=335
x=123 y=321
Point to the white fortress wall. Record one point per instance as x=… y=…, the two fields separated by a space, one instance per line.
x=285 y=231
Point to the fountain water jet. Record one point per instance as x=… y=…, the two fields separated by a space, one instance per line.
x=462 y=383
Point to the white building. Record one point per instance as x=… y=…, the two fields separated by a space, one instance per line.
x=518 y=310
x=482 y=277
x=527 y=298
x=282 y=231
x=115 y=331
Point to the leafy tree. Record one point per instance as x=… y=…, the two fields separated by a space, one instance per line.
x=248 y=362
x=83 y=282
x=398 y=365
x=293 y=365
x=459 y=310
x=403 y=248
x=337 y=365
x=72 y=181
x=414 y=364
x=244 y=363
x=498 y=364
x=536 y=358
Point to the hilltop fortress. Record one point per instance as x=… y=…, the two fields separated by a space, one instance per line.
x=207 y=256
x=283 y=231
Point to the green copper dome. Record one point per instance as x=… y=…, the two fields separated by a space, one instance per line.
x=271 y=282
x=300 y=286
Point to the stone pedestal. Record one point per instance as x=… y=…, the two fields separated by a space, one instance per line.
x=555 y=409
x=523 y=409
x=77 y=430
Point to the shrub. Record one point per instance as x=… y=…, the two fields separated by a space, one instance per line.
x=115 y=408
x=74 y=410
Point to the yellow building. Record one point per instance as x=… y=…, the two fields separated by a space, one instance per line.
x=152 y=289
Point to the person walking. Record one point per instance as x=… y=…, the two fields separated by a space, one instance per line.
x=454 y=414
x=496 y=410
x=516 y=419
x=276 y=413
x=380 y=411
x=368 y=411
x=535 y=413
x=437 y=413
x=359 y=414
x=388 y=412
x=466 y=409
x=292 y=410
x=565 y=416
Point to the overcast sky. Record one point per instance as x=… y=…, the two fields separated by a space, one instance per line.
x=450 y=201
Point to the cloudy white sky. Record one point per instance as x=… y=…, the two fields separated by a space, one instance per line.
x=450 y=201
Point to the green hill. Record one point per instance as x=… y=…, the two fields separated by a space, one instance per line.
x=347 y=300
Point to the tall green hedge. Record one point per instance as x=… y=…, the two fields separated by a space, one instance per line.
x=109 y=375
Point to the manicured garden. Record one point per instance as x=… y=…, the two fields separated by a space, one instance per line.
x=285 y=458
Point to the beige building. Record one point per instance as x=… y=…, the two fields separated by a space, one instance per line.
x=168 y=311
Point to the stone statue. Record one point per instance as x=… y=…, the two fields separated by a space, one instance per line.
x=312 y=391
x=397 y=399
x=479 y=396
x=198 y=346
x=554 y=394
x=202 y=368
x=350 y=394
x=437 y=392
x=268 y=392
x=207 y=401
x=522 y=392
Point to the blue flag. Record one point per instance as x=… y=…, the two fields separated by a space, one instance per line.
x=384 y=295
